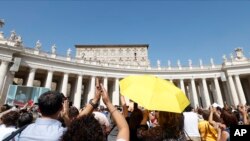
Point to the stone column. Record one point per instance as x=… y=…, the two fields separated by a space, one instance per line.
x=49 y=79
x=182 y=85
x=194 y=94
x=31 y=77
x=91 y=92
x=115 y=97
x=218 y=98
x=77 y=96
x=233 y=91
x=65 y=84
x=8 y=81
x=3 y=71
x=205 y=92
x=240 y=90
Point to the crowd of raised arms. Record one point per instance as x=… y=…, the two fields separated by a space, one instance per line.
x=52 y=119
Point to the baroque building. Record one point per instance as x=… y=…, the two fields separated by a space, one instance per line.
x=75 y=76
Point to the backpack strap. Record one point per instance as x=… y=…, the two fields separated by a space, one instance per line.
x=13 y=134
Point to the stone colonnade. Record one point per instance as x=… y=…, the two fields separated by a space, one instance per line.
x=201 y=91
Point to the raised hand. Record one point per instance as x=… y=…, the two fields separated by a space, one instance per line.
x=105 y=96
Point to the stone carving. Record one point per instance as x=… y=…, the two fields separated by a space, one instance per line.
x=1 y=35
x=239 y=54
x=13 y=36
x=179 y=63
x=158 y=63
x=53 y=49
x=69 y=52
x=232 y=56
x=212 y=62
x=190 y=63
x=38 y=45
x=224 y=57
x=18 y=41
x=201 y=63
x=169 y=63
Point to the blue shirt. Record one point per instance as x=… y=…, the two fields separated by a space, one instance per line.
x=42 y=130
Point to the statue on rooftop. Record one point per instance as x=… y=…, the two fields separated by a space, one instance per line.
x=232 y=56
x=158 y=63
x=169 y=63
x=69 y=52
x=190 y=63
x=224 y=57
x=239 y=54
x=212 y=61
x=201 y=63
x=18 y=41
x=179 y=63
x=53 y=49
x=38 y=45
x=13 y=36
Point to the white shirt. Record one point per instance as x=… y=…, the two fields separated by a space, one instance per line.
x=43 y=130
x=6 y=131
x=191 y=120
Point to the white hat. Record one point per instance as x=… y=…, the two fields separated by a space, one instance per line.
x=216 y=105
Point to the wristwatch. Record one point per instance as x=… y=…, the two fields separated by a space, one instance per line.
x=94 y=105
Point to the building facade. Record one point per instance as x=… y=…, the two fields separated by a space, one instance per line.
x=75 y=76
x=133 y=55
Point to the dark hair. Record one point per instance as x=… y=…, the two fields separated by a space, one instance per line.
x=134 y=123
x=50 y=103
x=24 y=119
x=189 y=108
x=135 y=117
x=10 y=118
x=229 y=118
x=73 y=112
x=84 y=128
x=4 y=107
x=172 y=124
x=205 y=114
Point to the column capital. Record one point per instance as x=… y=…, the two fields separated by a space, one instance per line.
x=79 y=74
x=192 y=79
x=33 y=69
x=237 y=75
x=66 y=73
x=50 y=70
x=5 y=61
x=215 y=77
x=203 y=78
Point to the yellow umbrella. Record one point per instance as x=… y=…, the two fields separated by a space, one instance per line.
x=154 y=93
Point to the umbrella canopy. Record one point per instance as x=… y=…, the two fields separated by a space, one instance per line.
x=154 y=93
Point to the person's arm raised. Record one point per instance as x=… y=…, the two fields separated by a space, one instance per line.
x=93 y=102
x=117 y=116
x=65 y=112
x=124 y=106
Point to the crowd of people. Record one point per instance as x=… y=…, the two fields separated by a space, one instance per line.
x=52 y=119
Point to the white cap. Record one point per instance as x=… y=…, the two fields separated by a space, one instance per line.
x=216 y=105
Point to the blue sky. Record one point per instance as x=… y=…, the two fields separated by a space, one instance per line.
x=173 y=29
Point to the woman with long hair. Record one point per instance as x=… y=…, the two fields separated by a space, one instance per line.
x=170 y=128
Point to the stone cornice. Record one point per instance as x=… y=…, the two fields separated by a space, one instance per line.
x=44 y=60
x=113 y=45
